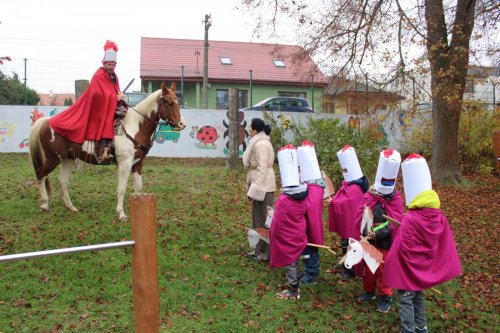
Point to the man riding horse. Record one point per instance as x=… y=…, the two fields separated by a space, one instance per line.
x=91 y=118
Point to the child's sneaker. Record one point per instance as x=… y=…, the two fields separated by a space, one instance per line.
x=289 y=293
x=347 y=274
x=365 y=297
x=385 y=304
x=307 y=281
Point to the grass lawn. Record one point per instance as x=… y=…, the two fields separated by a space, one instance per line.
x=206 y=283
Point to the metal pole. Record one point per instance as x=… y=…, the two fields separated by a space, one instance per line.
x=25 y=85
x=182 y=85
x=48 y=253
x=251 y=90
x=312 y=91
x=208 y=24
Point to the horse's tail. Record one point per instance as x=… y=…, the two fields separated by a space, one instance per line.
x=36 y=151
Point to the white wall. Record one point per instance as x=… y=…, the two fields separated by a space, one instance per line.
x=16 y=121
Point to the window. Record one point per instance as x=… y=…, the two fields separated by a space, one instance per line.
x=292 y=94
x=222 y=99
x=279 y=63
x=226 y=61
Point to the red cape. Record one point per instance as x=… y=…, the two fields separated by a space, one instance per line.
x=91 y=117
x=423 y=253
x=314 y=214
x=288 y=231
x=342 y=211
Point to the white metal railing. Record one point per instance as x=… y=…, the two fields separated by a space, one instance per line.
x=77 y=249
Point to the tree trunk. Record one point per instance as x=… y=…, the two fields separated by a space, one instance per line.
x=449 y=63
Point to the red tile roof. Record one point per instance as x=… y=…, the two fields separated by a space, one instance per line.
x=55 y=99
x=163 y=58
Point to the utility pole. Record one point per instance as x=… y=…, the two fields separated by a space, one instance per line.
x=208 y=24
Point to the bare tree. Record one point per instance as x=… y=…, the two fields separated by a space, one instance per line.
x=397 y=40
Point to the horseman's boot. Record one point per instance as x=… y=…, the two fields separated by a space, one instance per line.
x=104 y=151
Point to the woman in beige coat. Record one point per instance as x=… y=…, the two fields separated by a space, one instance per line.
x=258 y=160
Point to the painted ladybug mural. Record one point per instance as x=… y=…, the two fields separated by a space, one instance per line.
x=205 y=135
x=242 y=132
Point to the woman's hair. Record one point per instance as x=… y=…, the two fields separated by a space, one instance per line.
x=259 y=125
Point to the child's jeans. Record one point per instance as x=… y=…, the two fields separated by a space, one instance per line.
x=292 y=274
x=412 y=311
x=311 y=263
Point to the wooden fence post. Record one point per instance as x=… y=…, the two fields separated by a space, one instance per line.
x=144 y=263
x=233 y=160
x=496 y=148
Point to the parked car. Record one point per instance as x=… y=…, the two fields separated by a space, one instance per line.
x=286 y=104
x=134 y=98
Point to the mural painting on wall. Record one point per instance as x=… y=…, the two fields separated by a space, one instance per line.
x=206 y=136
x=404 y=121
x=242 y=133
x=354 y=122
x=35 y=115
x=6 y=130
x=166 y=133
x=382 y=136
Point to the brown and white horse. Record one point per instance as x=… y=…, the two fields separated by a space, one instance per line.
x=48 y=149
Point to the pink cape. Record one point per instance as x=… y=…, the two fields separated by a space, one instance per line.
x=423 y=254
x=342 y=211
x=314 y=215
x=393 y=208
x=91 y=117
x=288 y=231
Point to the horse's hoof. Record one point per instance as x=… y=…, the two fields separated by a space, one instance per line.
x=44 y=208
x=73 y=209
x=123 y=218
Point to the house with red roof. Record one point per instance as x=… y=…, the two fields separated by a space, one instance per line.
x=257 y=70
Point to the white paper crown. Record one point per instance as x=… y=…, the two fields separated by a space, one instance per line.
x=308 y=162
x=289 y=169
x=387 y=171
x=110 y=51
x=349 y=163
x=416 y=177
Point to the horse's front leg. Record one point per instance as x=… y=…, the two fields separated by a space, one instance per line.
x=137 y=172
x=67 y=166
x=123 y=174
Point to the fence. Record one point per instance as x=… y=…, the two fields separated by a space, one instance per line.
x=144 y=261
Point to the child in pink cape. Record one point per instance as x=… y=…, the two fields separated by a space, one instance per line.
x=343 y=206
x=287 y=233
x=310 y=174
x=423 y=253
x=383 y=199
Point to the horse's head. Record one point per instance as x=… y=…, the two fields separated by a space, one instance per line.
x=168 y=107
x=269 y=217
x=354 y=253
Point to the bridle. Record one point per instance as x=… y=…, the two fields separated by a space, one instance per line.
x=157 y=123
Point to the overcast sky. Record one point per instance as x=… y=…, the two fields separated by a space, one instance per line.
x=63 y=40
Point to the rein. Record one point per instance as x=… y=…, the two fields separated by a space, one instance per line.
x=155 y=134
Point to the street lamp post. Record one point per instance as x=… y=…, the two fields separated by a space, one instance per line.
x=208 y=24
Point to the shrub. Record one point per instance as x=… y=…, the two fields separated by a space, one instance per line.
x=328 y=137
x=475 y=140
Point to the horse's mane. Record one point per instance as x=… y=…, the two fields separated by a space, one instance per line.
x=145 y=107
x=371 y=251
